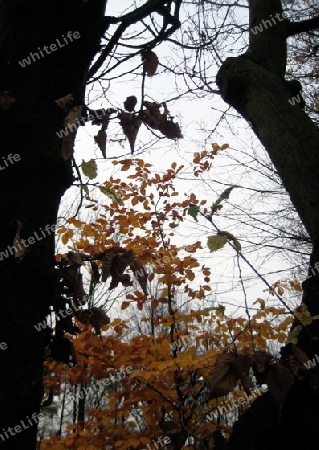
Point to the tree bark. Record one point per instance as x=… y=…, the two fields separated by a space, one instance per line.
x=254 y=85
x=31 y=187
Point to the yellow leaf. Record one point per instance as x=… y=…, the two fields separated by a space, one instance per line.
x=216 y=242
x=89 y=168
x=65 y=238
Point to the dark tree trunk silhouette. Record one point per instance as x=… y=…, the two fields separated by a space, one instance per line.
x=31 y=187
x=254 y=85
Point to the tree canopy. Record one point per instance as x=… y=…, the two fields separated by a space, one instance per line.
x=115 y=332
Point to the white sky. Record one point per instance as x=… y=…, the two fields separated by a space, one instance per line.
x=196 y=117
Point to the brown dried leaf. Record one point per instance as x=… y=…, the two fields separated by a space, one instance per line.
x=106 y=265
x=101 y=117
x=83 y=316
x=141 y=275
x=153 y=117
x=95 y=272
x=261 y=360
x=100 y=139
x=67 y=147
x=297 y=359
x=130 y=125
x=130 y=103
x=74 y=116
x=224 y=377
x=242 y=365
x=279 y=380
x=98 y=318
x=75 y=258
x=65 y=102
x=150 y=62
x=6 y=101
x=171 y=129
x=63 y=350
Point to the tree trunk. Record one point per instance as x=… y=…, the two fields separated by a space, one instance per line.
x=32 y=186
x=254 y=85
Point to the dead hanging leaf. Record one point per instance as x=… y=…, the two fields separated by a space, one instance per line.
x=72 y=280
x=78 y=292
x=95 y=272
x=155 y=119
x=98 y=318
x=48 y=401
x=150 y=62
x=71 y=123
x=62 y=350
x=141 y=275
x=242 y=365
x=83 y=316
x=279 y=380
x=130 y=103
x=298 y=360
x=223 y=378
x=106 y=265
x=118 y=266
x=75 y=258
x=130 y=125
x=120 y=263
x=228 y=370
x=101 y=117
x=100 y=139
x=73 y=117
x=6 y=101
x=261 y=360
x=65 y=102
x=17 y=241
x=67 y=147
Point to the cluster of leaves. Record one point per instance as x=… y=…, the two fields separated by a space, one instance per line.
x=188 y=360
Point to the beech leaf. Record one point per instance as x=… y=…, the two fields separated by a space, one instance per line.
x=89 y=168
x=100 y=139
x=224 y=196
x=130 y=103
x=111 y=194
x=130 y=125
x=150 y=62
x=216 y=242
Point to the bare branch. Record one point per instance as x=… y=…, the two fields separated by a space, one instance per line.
x=294 y=28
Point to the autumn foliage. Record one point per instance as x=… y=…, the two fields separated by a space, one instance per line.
x=184 y=361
